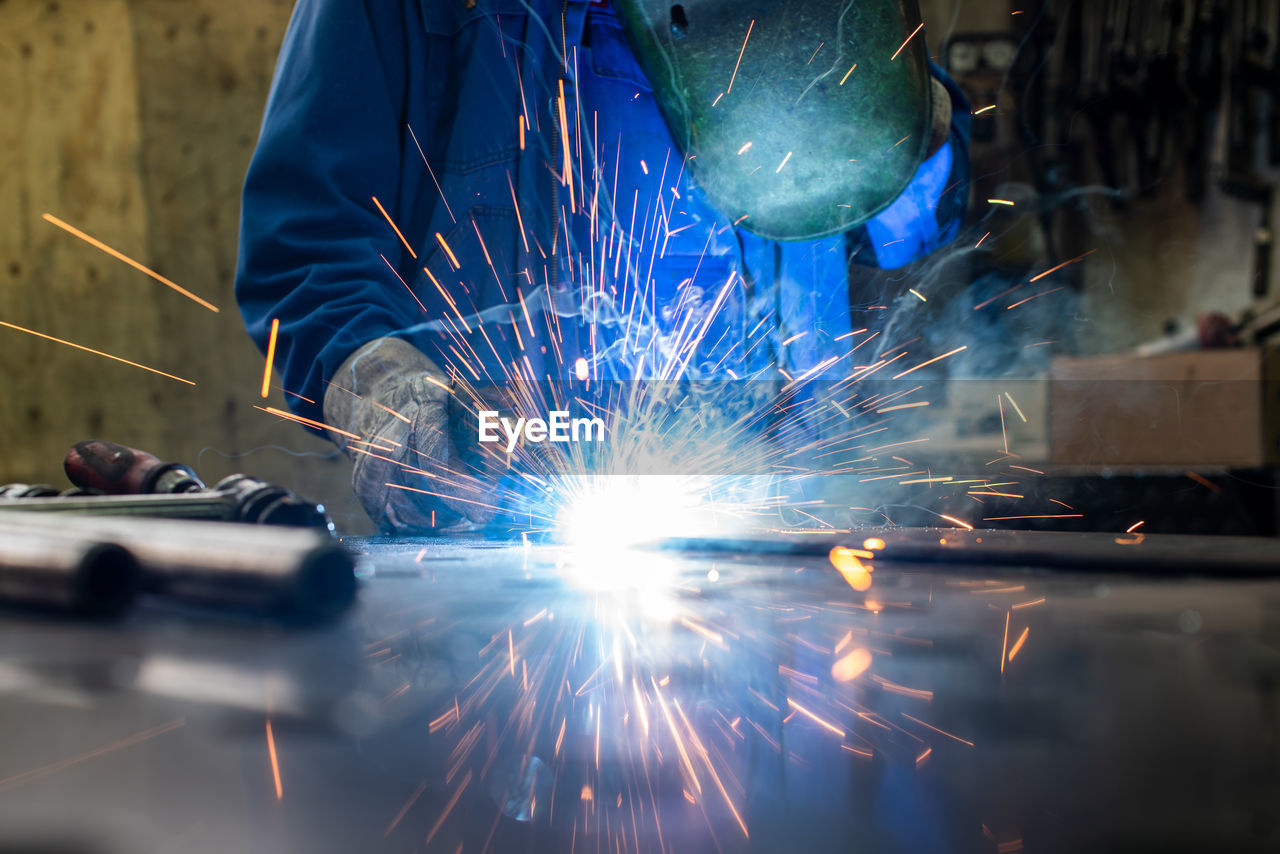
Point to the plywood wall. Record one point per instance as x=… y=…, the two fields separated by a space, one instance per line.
x=134 y=120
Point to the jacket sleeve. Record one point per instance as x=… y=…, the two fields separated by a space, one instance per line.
x=310 y=235
x=929 y=212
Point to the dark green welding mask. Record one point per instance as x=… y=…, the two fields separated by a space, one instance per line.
x=801 y=119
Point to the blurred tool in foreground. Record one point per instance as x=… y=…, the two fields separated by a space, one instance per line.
x=95 y=552
x=117 y=480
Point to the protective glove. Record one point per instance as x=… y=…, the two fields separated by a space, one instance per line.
x=392 y=404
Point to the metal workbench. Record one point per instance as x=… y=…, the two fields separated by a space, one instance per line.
x=494 y=697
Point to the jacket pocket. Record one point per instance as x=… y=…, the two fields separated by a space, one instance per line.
x=473 y=85
x=448 y=17
x=477 y=264
x=611 y=54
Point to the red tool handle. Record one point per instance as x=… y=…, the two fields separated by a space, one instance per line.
x=121 y=470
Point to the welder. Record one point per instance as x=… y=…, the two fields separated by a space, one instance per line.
x=449 y=190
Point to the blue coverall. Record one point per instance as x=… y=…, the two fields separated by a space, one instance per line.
x=446 y=112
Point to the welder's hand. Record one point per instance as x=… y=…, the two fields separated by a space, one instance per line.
x=392 y=404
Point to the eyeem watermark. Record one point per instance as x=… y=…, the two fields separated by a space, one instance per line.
x=559 y=427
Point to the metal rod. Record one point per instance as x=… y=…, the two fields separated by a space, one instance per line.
x=75 y=572
x=299 y=571
x=207 y=506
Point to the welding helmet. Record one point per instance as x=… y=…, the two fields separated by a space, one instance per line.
x=800 y=119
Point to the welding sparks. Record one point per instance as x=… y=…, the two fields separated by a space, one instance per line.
x=931 y=361
x=1004 y=645
x=275 y=763
x=1017 y=645
x=271 y=355
x=1060 y=266
x=393 y=225
x=453 y=259
x=905 y=43
x=734 y=76
x=120 y=256
x=94 y=352
x=851 y=666
x=61 y=765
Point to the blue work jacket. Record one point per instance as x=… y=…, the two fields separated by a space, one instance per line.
x=408 y=181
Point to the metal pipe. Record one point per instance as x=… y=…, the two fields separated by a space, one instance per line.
x=294 y=570
x=238 y=498
x=75 y=572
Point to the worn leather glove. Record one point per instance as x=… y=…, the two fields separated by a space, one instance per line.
x=393 y=405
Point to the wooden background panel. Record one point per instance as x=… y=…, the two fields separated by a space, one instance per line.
x=134 y=120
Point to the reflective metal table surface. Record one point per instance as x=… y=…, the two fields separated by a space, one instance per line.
x=507 y=697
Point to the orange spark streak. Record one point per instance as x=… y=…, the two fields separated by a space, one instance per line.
x=1059 y=516
x=956 y=521
x=516 y=204
x=1005 y=645
x=120 y=256
x=847 y=73
x=275 y=764
x=1017 y=645
x=1004 y=433
x=442 y=495
x=902 y=406
x=935 y=729
x=904 y=44
x=1204 y=481
x=271 y=357
x=61 y=765
x=405 y=809
x=93 y=351
x=391 y=223
x=1063 y=264
x=740 y=53
x=390 y=411
x=448 y=808
x=931 y=361
x=453 y=259
x=431 y=172
x=566 y=176
x=851 y=666
x=447 y=718
x=403 y=282
x=319 y=425
x=1134 y=527
x=811 y=716
x=1034 y=296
